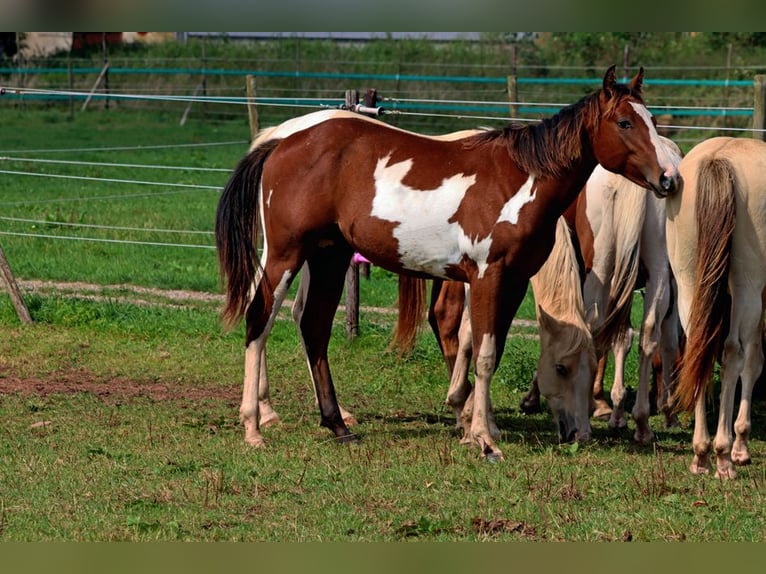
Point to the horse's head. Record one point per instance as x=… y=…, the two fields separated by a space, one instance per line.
x=565 y=373
x=626 y=139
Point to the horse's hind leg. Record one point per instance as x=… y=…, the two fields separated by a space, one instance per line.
x=299 y=305
x=621 y=348
x=268 y=416
x=324 y=279
x=669 y=353
x=742 y=358
x=259 y=319
x=601 y=408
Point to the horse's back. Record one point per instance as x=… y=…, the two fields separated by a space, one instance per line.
x=747 y=160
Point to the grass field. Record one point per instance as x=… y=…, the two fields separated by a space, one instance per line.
x=119 y=408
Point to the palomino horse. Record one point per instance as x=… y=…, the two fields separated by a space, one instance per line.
x=567 y=361
x=481 y=210
x=716 y=230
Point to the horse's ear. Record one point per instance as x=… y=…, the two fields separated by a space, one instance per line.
x=546 y=321
x=638 y=81
x=609 y=81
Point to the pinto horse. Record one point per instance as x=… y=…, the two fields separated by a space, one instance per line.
x=481 y=210
x=716 y=232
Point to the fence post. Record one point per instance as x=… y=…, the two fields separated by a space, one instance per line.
x=252 y=111
x=759 y=107
x=352 y=275
x=513 y=95
x=13 y=289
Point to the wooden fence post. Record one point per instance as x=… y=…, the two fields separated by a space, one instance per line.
x=352 y=275
x=13 y=289
x=759 y=107
x=513 y=95
x=252 y=111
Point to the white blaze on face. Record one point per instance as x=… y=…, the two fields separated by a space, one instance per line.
x=667 y=157
x=428 y=242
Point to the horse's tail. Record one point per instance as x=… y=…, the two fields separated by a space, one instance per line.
x=629 y=212
x=412 y=305
x=236 y=232
x=715 y=216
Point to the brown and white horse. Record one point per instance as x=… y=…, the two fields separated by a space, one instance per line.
x=716 y=231
x=481 y=210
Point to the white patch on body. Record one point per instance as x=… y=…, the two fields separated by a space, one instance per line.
x=428 y=242
x=511 y=209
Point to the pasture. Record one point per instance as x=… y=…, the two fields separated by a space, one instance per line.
x=118 y=407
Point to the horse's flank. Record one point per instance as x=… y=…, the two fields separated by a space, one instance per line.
x=619 y=236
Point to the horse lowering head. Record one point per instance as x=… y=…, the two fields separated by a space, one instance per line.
x=625 y=139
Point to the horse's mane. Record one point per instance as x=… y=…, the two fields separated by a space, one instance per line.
x=557 y=289
x=553 y=145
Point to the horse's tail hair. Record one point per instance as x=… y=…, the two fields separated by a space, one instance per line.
x=629 y=212
x=236 y=232
x=412 y=305
x=715 y=216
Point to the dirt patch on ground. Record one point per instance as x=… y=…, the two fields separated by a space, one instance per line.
x=120 y=389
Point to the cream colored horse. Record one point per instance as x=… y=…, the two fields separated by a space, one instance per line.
x=567 y=362
x=716 y=233
x=629 y=236
x=621 y=235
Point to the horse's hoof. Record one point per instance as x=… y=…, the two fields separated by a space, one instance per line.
x=644 y=438
x=493 y=456
x=270 y=419
x=255 y=441
x=530 y=406
x=698 y=467
x=726 y=473
x=602 y=412
x=348 y=439
x=350 y=420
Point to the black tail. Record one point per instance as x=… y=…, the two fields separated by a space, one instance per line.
x=236 y=231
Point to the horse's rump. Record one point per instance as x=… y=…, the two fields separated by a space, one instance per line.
x=715 y=216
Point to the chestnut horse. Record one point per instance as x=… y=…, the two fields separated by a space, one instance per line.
x=716 y=231
x=481 y=210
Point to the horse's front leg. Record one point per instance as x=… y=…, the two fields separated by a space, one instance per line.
x=494 y=301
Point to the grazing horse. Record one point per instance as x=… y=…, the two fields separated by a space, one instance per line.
x=481 y=210
x=620 y=233
x=716 y=231
x=567 y=362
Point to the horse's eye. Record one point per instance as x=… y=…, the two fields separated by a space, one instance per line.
x=561 y=370
x=624 y=124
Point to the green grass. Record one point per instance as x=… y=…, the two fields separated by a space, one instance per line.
x=120 y=422
x=168 y=461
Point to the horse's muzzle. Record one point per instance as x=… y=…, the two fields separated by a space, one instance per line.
x=668 y=186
